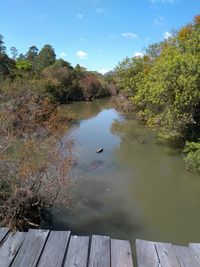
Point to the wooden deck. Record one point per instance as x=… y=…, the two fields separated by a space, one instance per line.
x=45 y=248
x=155 y=254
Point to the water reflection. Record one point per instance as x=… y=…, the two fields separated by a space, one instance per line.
x=136 y=188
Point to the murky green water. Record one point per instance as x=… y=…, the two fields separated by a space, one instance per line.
x=136 y=188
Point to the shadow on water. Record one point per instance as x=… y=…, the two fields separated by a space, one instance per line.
x=96 y=216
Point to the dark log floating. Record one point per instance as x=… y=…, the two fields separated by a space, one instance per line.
x=99 y=150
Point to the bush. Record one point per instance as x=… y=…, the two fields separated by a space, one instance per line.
x=31 y=182
x=192 y=159
x=92 y=88
x=59 y=82
x=33 y=170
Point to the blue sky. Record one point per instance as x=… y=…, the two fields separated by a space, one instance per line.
x=96 y=34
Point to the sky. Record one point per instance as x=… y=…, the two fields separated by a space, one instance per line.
x=96 y=34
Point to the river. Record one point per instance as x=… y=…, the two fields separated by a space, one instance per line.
x=135 y=188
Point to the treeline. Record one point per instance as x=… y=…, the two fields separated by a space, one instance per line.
x=55 y=77
x=163 y=88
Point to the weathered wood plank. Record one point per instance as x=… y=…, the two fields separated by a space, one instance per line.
x=185 y=257
x=99 y=251
x=146 y=254
x=10 y=247
x=3 y=233
x=195 y=247
x=121 y=253
x=54 y=250
x=166 y=255
x=31 y=248
x=77 y=253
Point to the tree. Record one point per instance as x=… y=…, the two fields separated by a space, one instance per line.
x=62 y=63
x=46 y=57
x=2 y=47
x=14 y=52
x=79 y=71
x=90 y=86
x=21 y=57
x=197 y=19
x=130 y=73
x=58 y=82
x=6 y=66
x=32 y=53
x=154 y=50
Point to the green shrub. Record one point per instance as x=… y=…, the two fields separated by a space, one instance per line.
x=192 y=158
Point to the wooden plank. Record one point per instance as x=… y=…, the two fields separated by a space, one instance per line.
x=10 y=247
x=185 y=257
x=146 y=254
x=31 y=248
x=195 y=247
x=121 y=253
x=3 y=233
x=77 y=253
x=54 y=250
x=99 y=251
x=166 y=255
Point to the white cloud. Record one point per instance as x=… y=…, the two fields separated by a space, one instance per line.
x=80 y=16
x=63 y=55
x=138 y=54
x=101 y=10
x=129 y=35
x=103 y=71
x=81 y=54
x=167 y=35
x=83 y=39
x=159 y=21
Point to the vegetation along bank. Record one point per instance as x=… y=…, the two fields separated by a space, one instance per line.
x=163 y=88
